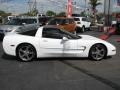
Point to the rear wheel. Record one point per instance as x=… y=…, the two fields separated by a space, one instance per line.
x=98 y=52
x=83 y=29
x=26 y=52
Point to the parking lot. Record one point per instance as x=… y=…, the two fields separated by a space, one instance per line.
x=61 y=73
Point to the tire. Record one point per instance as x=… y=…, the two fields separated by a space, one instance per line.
x=78 y=29
x=83 y=29
x=75 y=32
x=26 y=52
x=97 y=52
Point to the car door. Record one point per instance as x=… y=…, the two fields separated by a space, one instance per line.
x=70 y=42
x=51 y=43
x=70 y=48
x=86 y=23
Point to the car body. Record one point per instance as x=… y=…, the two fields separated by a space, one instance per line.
x=52 y=41
x=82 y=23
x=43 y=20
x=64 y=23
x=15 y=25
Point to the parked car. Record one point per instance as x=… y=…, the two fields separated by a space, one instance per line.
x=118 y=27
x=64 y=23
x=43 y=20
x=15 y=25
x=52 y=41
x=82 y=23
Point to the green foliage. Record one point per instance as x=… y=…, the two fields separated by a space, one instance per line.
x=82 y=13
x=61 y=14
x=32 y=13
x=94 y=4
x=4 y=14
x=50 y=13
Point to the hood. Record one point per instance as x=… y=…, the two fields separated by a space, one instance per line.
x=8 y=27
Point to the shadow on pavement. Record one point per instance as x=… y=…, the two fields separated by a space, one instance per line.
x=61 y=58
x=101 y=79
x=8 y=57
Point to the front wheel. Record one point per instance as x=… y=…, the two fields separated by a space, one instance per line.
x=26 y=52
x=98 y=52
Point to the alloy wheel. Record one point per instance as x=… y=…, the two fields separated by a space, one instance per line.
x=26 y=52
x=98 y=52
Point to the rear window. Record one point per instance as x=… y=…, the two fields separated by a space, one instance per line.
x=71 y=21
x=76 y=19
x=19 y=21
x=29 y=33
x=14 y=22
x=56 y=21
x=84 y=19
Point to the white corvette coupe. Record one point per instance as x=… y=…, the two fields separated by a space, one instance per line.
x=51 y=41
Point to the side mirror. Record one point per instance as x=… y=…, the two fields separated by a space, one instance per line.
x=65 y=39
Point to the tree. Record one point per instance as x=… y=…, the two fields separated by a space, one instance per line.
x=83 y=13
x=50 y=13
x=34 y=12
x=4 y=14
x=61 y=14
x=94 y=4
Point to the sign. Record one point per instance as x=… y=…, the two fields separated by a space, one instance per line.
x=69 y=8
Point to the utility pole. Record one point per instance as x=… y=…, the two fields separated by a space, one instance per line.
x=32 y=5
x=108 y=12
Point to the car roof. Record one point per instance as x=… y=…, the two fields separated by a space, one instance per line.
x=79 y=17
x=51 y=26
x=64 y=17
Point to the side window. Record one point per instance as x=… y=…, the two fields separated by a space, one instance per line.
x=33 y=21
x=29 y=21
x=71 y=21
x=63 y=21
x=84 y=19
x=24 y=21
x=51 y=33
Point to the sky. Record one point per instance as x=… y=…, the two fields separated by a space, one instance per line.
x=21 y=6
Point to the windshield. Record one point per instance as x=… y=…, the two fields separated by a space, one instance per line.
x=14 y=22
x=56 y=21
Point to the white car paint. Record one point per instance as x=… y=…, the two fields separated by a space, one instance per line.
x=47 y=47
x=80 y=22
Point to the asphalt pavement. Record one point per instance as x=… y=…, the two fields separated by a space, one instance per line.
x=61 y=73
